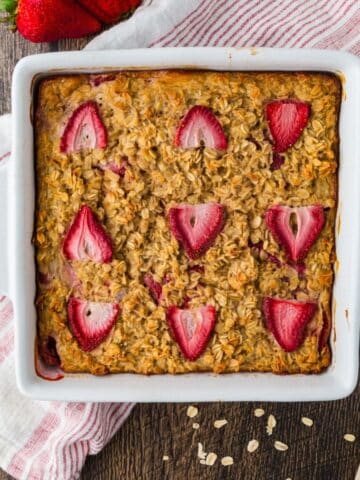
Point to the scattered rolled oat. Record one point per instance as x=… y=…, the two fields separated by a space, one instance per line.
x=307 y=421
x=196 y=426
x=271 y=424
x=282 y=447
x=211 y=458
x=201 y=451
x=259 y=412
x=220 y=423
x=349 y=437
x=226 y=461
x=202 y=462
x=192 y=411
x=252 y=445
x=165 y=458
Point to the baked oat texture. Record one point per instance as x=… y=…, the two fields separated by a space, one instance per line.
x=141 y=111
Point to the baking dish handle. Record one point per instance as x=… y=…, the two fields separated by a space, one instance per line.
x=4 y=244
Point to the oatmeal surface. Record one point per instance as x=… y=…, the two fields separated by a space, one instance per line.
x=141 y=111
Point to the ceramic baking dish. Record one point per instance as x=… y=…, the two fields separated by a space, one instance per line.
x=17 y=267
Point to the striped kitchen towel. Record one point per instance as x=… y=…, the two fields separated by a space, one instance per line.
x=333 y=24
x=50 y=440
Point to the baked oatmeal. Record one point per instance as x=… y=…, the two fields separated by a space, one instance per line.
x=185 y=221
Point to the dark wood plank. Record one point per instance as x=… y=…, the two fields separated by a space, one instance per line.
x=315 y=453
x=154 y=430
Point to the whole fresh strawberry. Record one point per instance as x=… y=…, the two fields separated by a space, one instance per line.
x=50 y=20
x=109 y=11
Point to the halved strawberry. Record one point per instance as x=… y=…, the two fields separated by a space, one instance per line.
x=286 y=119
x=47 y=361
x=91 y=322
x=197 y=226
x=309 y=223
x=84 y=130
x=287 y=319
x=154 y=287
x=49 y=20
x=191 y=328
x=86 y=239
x=198 y=126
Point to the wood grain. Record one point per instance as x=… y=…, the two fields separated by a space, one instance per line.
x=154 y=430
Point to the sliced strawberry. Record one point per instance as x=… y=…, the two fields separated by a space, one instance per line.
x=154 y=287
x=309 y=223
x=191 y=328
x=86 y=239
x=96 y=80
x=286 y=119
x=196 y=268
x=287 y=319
x=197 y=226
x=186 y=302
x=48 y=352
x=84 y=130
x=44 y=279
x=324 y=332
x=91 y=322
x=278 y=161
x=115 y=168
x=198 y=126
x=47 y=361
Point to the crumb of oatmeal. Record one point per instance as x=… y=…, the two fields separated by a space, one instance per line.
x=195 y=426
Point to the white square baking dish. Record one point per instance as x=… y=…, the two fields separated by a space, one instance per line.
x=17 y=274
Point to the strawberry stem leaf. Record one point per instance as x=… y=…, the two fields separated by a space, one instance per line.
x=8 y=6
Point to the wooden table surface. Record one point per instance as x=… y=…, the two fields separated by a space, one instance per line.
x=154 y=430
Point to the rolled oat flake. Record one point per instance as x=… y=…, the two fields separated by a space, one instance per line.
x=259 y=412
x=282 y=447
x=252 y=446
x=226 y=461
x=307 y=421
x=349 y=437
x=211 y=458
x=192 y=411
x=220 y=423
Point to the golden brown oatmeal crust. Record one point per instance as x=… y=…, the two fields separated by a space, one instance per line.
x=141 y=111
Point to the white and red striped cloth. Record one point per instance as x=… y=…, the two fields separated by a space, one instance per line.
x=50 y=440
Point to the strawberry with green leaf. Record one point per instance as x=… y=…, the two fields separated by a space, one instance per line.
x=49 y=20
